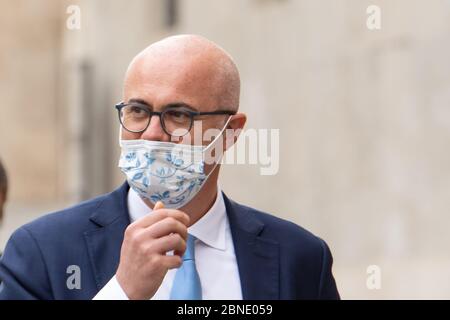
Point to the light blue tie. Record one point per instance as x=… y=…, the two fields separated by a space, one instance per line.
x=186 y=285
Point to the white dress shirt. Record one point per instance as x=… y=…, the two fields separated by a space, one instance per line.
x=214 y=255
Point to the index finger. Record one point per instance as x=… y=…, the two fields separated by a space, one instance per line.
x=160 y=214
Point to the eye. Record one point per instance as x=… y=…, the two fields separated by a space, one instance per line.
x=179 y=116
x=135 y=111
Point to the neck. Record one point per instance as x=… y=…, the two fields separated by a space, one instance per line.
x=202 y=202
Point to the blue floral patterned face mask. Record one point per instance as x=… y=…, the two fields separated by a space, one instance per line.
x=165 y=171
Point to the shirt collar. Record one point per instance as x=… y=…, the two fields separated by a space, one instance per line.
x=210 y=229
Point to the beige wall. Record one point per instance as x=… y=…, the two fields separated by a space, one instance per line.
x=29 y=41
x=363 y=118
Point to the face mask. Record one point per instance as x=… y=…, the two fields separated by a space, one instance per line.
x=165 y=171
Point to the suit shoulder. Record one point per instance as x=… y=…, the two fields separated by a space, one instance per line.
x=287 y=233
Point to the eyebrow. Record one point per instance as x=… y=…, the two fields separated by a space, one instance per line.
x=169 y=105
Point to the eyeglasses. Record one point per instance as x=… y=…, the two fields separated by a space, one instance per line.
x=176 y=121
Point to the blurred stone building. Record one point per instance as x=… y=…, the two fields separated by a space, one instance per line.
x=364 y=118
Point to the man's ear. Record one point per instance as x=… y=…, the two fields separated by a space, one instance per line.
x=234 y=129
x=238 y=121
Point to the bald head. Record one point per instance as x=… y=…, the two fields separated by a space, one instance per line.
x=185 y=67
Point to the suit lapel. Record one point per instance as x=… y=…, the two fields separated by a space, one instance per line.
x=104 y=242
x=257 y=257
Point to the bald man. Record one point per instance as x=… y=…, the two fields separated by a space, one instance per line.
x=169 y=232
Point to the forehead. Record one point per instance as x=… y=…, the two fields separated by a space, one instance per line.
x=164 y=80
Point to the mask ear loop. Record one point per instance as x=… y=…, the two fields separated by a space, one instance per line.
x=124 y=143
x=212 y=144
x=218 y=136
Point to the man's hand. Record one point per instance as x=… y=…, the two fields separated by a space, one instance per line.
x=143 y=260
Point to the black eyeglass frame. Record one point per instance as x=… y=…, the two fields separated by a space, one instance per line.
x=119 y=106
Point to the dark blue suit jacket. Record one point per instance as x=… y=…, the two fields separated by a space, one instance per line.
x=276 y=259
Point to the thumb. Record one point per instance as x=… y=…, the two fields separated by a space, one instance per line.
x=158 y=205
